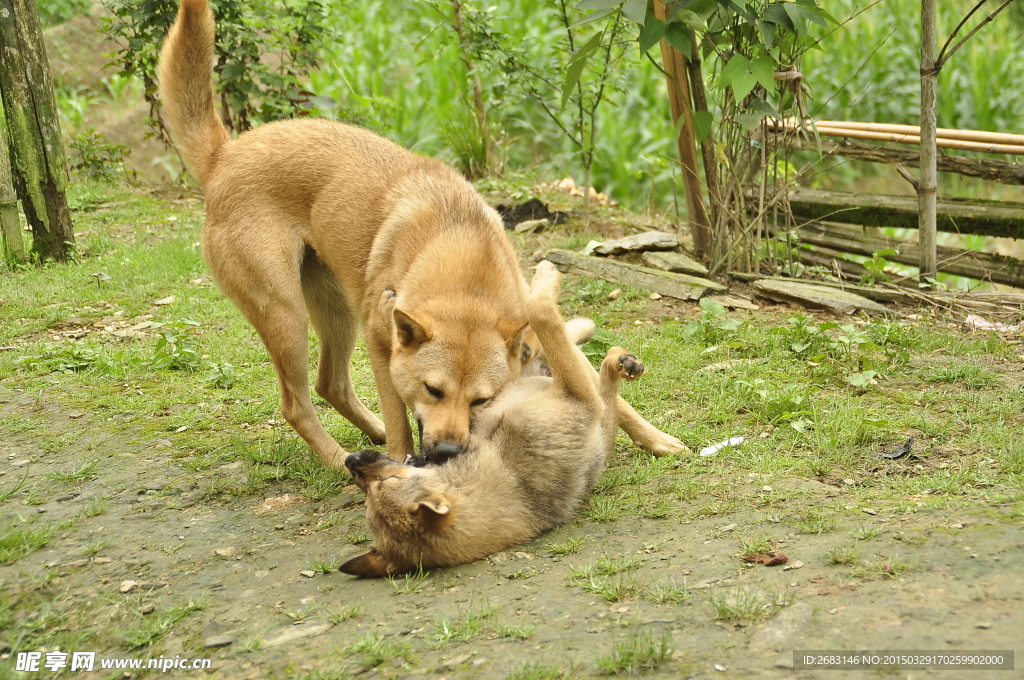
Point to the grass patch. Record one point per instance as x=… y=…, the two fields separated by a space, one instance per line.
x=463 y=629
x=372 y=650
x=668 y=593
x=639 y=653
x=744 y=604
x=155 y=626
x=569 y=547
x=18 y=541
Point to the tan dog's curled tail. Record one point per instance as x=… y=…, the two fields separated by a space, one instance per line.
x=185 y=74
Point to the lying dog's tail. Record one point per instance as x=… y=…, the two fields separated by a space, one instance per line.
x=185 y=74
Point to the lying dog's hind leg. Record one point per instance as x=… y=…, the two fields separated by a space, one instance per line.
x=337 y=327
x=618 y=365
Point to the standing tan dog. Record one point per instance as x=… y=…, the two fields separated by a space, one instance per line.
x=533 y=455
x=315 y=218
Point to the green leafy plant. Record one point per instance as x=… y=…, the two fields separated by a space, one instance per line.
x=712 y=326
x=263 y=52
x=176 y=348
x=96 y=158
x=876 y=266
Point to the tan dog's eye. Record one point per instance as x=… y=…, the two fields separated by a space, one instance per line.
x=479 y=402
x=434 y=392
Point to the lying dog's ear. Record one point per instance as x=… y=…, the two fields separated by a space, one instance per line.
x=368 y=565
x=411 y=333
x=512 y=330
x=435 y=514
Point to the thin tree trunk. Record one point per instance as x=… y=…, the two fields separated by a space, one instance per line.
x=38 y=164
x=682 y=108
x=927 y=183
x=707 y=152
x=10 y=225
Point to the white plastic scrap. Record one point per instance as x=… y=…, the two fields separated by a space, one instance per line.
x=715 y=448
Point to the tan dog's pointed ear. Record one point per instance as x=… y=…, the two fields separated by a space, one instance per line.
x=368 y=565
x=411 y=333
x=435 y=514
x=512 y=330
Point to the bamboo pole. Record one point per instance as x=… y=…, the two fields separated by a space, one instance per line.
x=902 y=138
x=681 y=107
x=943 y=133
x=927 y=183
x=38 y=164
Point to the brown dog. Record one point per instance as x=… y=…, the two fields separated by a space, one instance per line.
x=315 y=218
x=533 y=455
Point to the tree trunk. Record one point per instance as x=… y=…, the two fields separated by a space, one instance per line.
x=927 y=185
x=719 y=246
x=10 y=225
x=37 y=150
x=682 y=108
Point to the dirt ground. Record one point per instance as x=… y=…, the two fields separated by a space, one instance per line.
x=944 y=581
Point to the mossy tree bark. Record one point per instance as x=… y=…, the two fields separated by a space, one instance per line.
x=36 y=148
x=10 y=226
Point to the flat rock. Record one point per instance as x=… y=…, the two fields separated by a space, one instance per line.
x=667 y=284
x=734 y=302
x=292 y=633
x=218 y=641
x=778 y=631
x=674 y=262
x=648 y=240
x=155 y=485
x=821 y=297
x=532 y=226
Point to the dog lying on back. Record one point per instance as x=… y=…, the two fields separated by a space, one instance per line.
x=533 y=455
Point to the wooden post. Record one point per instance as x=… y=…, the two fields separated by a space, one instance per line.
x=927 y=183
x=682 y=108
x=37 y=150
x=10 y=225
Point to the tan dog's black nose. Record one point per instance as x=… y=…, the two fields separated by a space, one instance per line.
x=442 y=451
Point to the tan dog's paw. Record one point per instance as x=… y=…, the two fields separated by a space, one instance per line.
x=662 y=444
x=546 y=284
x=630 y=367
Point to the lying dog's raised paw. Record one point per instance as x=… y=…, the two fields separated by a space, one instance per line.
x=630 y=366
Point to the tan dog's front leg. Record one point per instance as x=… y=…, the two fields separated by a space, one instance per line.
x=397 y=432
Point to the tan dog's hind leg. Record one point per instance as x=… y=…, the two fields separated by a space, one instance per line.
x=337 y=327
x=264 y=283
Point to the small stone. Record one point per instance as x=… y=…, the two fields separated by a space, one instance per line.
x=128 y=586
x=161 y=443
x=155 y=485
x=984 y=625
x=719 y=667
x=849 y=482
x=955 y=525
x=165 y=301
x=655 y=296
x=218 y=641
x=622 y=610
x=308 y=573
x=147 y=608
x=181 y=429
x=102 y=560
x=74 y=564
x=278 y=527
x=766 y=488
x=870 y=511
x=228 y=552
x=795 y=564
x=532 y=226
x=834 y=610
x=785 y=662
x=615 y=294
x=19 y=463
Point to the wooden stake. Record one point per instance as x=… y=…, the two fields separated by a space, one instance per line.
x=927 y=182
x=680 y=103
